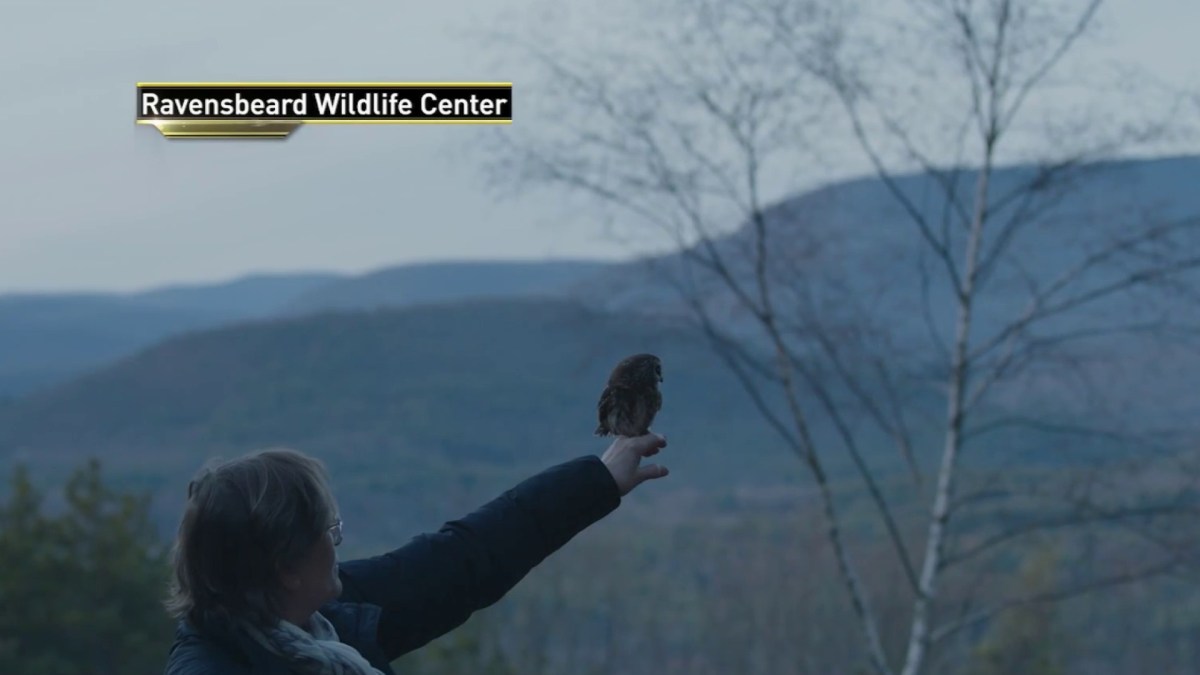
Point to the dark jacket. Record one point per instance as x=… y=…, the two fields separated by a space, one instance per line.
x=396 y=602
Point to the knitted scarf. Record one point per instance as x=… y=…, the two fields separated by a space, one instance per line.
x=316 y=651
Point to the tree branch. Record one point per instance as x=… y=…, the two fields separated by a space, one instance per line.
x=1151 y=571
x=1068 y=520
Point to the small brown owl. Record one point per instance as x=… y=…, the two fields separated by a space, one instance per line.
x=631 y=399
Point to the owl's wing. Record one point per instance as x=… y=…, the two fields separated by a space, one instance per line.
x=651 y=403
x=602 y=409
x=616 y=403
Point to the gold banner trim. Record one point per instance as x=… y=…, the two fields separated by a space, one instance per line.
x=269 y=129
x=222 y=128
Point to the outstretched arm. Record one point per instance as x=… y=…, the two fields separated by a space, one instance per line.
x=432 y=584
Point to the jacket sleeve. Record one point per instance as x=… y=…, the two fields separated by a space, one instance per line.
x=432 y=584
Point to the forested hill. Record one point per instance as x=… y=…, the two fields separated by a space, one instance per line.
x=47 y=338
x=433 y=393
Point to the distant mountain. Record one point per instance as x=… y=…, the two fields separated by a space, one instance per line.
x=425 y=283
x=495 y=381
x=417 y=401
x=851 y=254
x=252 y=296
x=47 y=338
x=856 y=232
x=853 y=235
x=419 y=409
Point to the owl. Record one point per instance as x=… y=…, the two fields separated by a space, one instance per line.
x=631 y=399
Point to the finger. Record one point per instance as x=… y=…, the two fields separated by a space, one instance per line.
x=650 y=444
x=650 y=472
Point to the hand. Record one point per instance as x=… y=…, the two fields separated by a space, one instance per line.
x=624 y=456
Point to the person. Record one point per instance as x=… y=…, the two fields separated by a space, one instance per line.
x=257 y=587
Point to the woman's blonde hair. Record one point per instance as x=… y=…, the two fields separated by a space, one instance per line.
x=246 y=520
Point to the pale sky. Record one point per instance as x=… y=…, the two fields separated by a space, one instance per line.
x=89 y=201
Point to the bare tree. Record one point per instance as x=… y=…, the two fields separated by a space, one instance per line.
x=704 y=125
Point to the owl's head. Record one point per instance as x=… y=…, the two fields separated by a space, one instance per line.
x=641 y=370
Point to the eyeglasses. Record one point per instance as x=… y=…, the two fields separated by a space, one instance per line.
x=336 y=532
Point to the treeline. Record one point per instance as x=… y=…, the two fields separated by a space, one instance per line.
x=82 y=574
x=755 y=597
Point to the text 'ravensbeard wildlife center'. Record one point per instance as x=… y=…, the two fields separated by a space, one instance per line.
x=296 y=102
